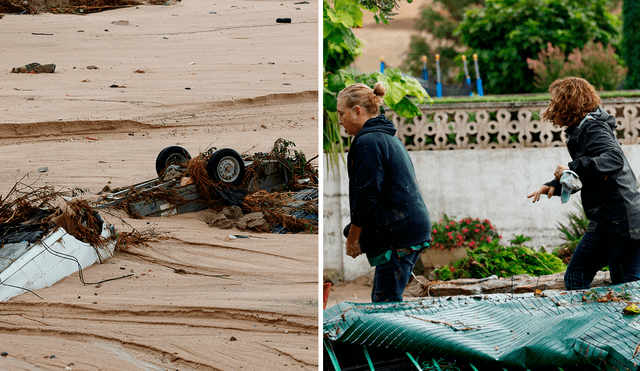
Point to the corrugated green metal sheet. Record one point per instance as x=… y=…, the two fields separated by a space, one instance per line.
x=558 y=328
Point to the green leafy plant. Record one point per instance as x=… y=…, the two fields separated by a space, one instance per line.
x=502 y=261
x=467 y=233
x=519 y=240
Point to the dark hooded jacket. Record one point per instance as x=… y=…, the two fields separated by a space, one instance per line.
x=610 y=196
x=384 y=195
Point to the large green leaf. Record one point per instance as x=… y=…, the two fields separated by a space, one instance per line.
x=329 y=101
x=348 y=13
x=406 y=108
x=335 y=83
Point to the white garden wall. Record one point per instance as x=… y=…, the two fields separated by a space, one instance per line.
x=480 y=183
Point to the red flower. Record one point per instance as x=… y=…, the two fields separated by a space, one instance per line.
x=446 y=227
x=452 y=269
x=435 y=231
x=488 y=240
x=452 y=223
x=477 y=230
x=465 y=230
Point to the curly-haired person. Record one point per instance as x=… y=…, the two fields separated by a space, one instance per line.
x=389 y=220
x=609 y=192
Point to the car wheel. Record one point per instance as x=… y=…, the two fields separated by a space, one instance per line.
x=227 y=166
x=174 y=155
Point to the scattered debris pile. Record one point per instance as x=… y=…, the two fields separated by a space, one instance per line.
x=234 y=217
x=68 y=6
x=278 y=192
x=8 y=6
x=47 y=235
x=35 y=67
x=28 y=213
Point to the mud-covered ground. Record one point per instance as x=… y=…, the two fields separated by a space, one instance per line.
x=196 y=300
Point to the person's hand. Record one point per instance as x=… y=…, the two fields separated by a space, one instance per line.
x=353 y=249
x=353 y=241
x=545 y=189
x=559 y=170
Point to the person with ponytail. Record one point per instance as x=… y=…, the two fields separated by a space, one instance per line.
x=389 y=220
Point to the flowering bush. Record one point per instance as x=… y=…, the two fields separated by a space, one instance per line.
x=594 y=62
x=468 y=233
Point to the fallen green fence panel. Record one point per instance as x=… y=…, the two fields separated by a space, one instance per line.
x=555 y=329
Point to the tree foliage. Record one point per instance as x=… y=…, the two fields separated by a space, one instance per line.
x=631 y=42
x=442 y=19
x=506 y=32
x=439 y=20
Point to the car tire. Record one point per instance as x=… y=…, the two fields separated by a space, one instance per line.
x=173 y=155
x=227 y=166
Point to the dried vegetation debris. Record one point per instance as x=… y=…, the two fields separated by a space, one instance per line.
x=28 y=213
x=68 y=6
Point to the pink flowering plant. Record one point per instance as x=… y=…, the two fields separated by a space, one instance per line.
x=467 y=233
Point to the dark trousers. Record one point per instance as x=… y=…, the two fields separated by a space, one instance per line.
x=392 y=277
x=597 y=250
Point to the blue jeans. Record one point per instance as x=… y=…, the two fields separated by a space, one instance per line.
x=392 y=277
x=597 y=250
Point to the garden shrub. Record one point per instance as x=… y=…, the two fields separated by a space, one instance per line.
x=596 y=64
x=502 y=261
x=467 y=233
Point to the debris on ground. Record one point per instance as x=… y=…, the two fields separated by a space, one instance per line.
x=47 y=235
x=71 y=7
x=35 y=68
x=28 y=213
x=278 y=192
x=522 y=283
x=9 y=6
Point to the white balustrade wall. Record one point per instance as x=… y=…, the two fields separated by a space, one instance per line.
x=481 y=161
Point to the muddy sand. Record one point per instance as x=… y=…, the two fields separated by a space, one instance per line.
x=251 y=81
